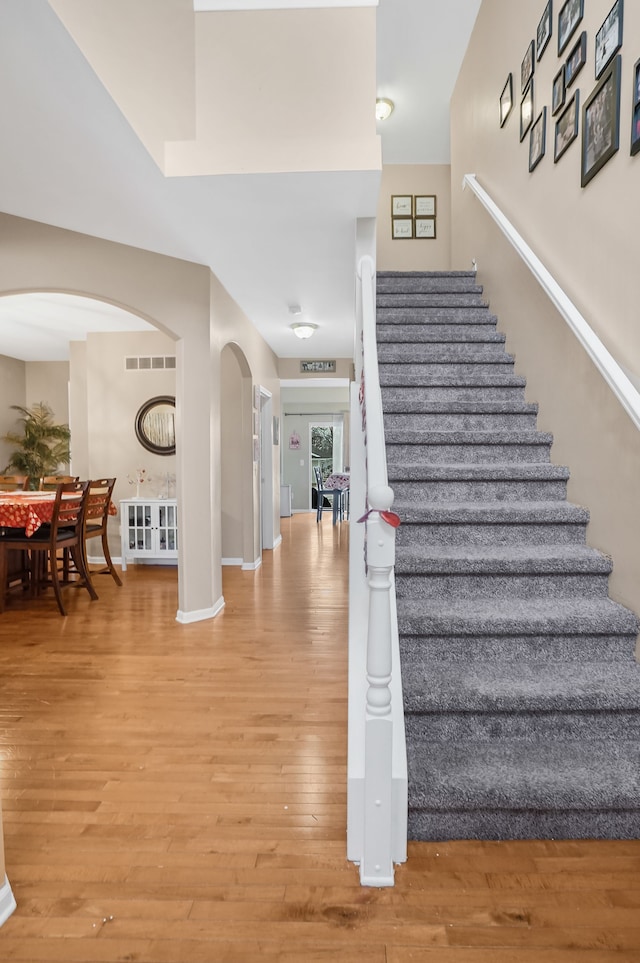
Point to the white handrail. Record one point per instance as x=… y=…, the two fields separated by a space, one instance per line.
x=622 y=387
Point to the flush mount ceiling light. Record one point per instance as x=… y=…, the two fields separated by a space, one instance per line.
x=303 y=329
x=384 y=108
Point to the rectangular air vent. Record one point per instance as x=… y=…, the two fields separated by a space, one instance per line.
x=146 y=363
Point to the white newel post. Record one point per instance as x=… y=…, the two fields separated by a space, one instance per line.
x=376 y=868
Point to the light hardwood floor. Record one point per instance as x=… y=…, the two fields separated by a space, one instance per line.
x=176 y=794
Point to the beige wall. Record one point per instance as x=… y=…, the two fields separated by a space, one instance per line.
x=239 y=91
x=48 y=381
x=12 y=392
x=585 y=237
x=415 y=254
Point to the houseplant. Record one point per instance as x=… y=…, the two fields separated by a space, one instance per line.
x=42 y=448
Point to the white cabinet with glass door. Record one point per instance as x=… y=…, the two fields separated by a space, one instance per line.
x=149 y=529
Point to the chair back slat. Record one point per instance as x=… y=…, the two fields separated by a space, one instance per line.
x=99 y=499
x=49 y=483
x=14 y=483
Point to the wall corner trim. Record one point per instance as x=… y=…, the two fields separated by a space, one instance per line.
x=252 y=566
x=7 y=902
x=199 y=615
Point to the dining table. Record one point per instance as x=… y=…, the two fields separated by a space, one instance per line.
x=29 y=510
x=339 y=481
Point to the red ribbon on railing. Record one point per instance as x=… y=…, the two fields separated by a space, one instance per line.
x=389 y=517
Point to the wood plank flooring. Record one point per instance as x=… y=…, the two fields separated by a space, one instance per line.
x=176 y=794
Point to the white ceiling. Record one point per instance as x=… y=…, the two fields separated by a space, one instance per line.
x=69 y=158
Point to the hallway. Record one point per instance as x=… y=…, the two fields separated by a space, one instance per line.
x=176 y=794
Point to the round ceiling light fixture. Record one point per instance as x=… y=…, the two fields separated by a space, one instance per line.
x=384 y=108
x=303 y=329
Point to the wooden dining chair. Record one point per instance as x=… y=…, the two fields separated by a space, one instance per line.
x=334 y=493
x=66 y=531
x=14 y=483
x=96 y=520
x=49 y=483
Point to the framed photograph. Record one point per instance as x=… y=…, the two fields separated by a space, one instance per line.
x=424 y=205
x=576 y=59
x=401 y=227
x=426 y=227
x=538 y=140
x=635 y=118
x=402 y=205
x=571 y=13
x=545 y=27
x=526 y=111
x=558 y=91
x=527 y=67
x=601 y=122
x=609 y=37
x=566 y=127
x=506 y=100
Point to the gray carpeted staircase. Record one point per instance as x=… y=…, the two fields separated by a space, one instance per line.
x=521 y=690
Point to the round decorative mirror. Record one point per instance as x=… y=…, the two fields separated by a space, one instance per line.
x=156 y=426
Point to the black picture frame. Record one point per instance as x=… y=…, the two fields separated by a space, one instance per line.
x=538 y=139
x=526 y=111
x=601 y=122
x=544 y=31
x=558 y=91
x=566 y=130
x=570 y=14
x=506 y=100
x=527 y=66
x=635 y=113
x=576 y=60
x=608 y=38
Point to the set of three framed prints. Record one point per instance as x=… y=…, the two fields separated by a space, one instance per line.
x=413 y=216
x=601 y=109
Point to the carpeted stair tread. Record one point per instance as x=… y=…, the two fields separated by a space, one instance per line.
x=500 y=560
x=459 y=471
x=468 y=315
x=409 y=436
x=407 y=375
x=439 y=334
x=423 y=406
x=413 y=352
x=513 y=616
x=440 y=300
x=549 y=775
x=522 y=687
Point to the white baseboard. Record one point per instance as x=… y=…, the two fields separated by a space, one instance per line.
x=278 y=541
x=7 y=902
x=231 y=561
x=251 y=566
x=199 y=615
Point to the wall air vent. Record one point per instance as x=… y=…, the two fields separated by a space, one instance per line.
x=146 y=363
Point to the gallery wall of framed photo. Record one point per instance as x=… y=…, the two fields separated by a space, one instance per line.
x=597 y=121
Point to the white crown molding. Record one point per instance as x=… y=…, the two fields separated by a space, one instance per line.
x=203 y=6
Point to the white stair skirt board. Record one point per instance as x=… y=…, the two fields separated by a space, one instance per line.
x=199 y=615
x=7 y=902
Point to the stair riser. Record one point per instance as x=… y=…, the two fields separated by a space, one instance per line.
x=517 y=824
x=500 y=587
x=452 y=300
x=466 y=454
x=528 y=726
x=427 y=285
x=464 y=650
x=401 y=373
x=460 y=421
x=439 y=333
x=460 y=535
x=478 y=491
x=415 y=353
x=475 y=394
